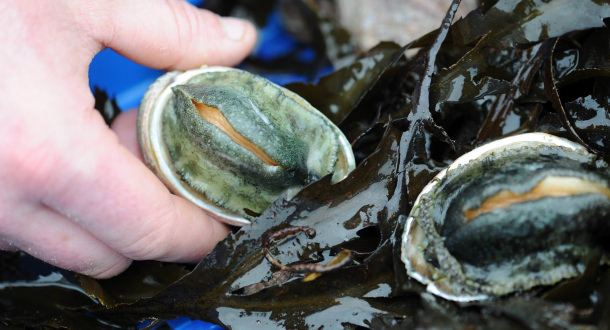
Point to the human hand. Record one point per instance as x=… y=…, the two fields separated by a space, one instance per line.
x=71 y=192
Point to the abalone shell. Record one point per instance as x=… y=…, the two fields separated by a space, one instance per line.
x=233 y=142
x=520 y=212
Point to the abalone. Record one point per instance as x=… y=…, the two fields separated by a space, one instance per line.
x=232 y=142
x=521 y=212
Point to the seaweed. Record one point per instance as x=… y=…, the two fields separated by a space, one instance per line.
x=105 y=105
x=510 y=66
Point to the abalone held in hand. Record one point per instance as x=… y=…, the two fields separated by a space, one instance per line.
x=232 y=142
x=520 y=212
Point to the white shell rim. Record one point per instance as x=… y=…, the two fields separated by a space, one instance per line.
x=482 y=151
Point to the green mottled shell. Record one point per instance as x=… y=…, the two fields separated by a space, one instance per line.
x=202 y=163
x=532 y=243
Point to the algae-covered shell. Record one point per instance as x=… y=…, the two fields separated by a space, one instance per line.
x=232 y=142
x=520 y=212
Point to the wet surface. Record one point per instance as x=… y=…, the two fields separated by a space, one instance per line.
x=509 y=67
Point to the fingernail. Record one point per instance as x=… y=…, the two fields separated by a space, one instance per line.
x=234 y=28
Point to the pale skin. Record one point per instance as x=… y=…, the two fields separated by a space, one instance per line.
x=74 y=192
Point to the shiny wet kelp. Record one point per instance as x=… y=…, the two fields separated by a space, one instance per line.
x=510 y=67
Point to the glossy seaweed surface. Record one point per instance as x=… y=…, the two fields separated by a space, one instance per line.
x=509 y=67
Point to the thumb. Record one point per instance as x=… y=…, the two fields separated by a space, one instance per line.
x=170 y=34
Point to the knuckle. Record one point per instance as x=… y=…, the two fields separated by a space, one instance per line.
x=155 y=242
x=107 y=270
x=191 y=26
x=184 y=22
x=26 y=165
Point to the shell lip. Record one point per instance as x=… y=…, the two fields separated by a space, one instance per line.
x=156 y=154
x=430 y=285
x=158 y=158
x=411 y=224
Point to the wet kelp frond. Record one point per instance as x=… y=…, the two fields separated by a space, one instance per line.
x=509 y=67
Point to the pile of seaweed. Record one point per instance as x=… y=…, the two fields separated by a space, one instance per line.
x=509 y=67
